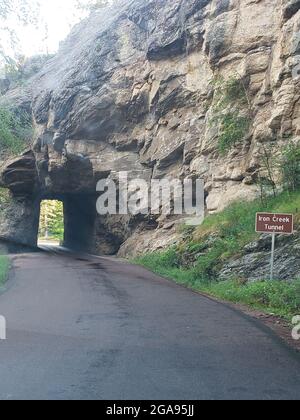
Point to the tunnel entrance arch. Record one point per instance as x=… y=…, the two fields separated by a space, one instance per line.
x=51 y=222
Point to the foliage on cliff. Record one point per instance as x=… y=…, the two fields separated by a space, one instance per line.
x=15 y=131
x=232 y=112
x=92 y=5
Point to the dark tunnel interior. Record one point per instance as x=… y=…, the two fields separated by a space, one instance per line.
x=79 y=220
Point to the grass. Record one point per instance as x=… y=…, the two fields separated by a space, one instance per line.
x=278 y=298
x=4 y=267
x=4 y=261
x=195 y=261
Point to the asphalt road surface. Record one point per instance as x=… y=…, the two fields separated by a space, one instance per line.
x=87 y=328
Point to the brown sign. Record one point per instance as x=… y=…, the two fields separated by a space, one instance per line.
x=275 y=223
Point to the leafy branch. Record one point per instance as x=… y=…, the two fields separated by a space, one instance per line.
x=232 y=112
x=26 y=12
x=280 y=168
x=15 y=131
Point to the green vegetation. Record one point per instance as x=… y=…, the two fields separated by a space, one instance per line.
x=234 y=128
x=13 y=71
x=279 y=298
x=232 y=112
x=92 y=5
x=51 y=220
x=15 y=131
x=4 y=198
x=4 y=267
x=12 y=13
x=290 y=166
x=18 y=72
x=196 y=261
x=4 y=261
x=280 y=167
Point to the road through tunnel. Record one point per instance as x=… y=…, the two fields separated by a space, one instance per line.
x=68 y=220
x=83 y=229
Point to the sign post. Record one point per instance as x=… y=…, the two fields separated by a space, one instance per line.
x=274 y=223
x=272 y=256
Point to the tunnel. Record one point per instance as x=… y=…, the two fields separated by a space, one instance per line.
x=30 y=183
x=79 y=211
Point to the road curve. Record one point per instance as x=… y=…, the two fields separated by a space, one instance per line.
x=97 y=328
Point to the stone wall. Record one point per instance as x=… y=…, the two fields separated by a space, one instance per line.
x=132 y=89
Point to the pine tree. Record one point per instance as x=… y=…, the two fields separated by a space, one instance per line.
x=51 y=220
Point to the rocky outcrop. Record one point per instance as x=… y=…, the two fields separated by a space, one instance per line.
x=21 y=175
x=132 y=89
x=27 y=68
x=254 y=264
x=19 y=219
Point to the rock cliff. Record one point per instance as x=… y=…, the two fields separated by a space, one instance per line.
x=133 y=89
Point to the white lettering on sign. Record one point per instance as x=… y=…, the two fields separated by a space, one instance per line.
x=275 y=219
x=274 y=228
x=275 y=223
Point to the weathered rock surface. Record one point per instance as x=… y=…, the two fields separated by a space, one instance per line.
x=21 y=175
x=19 y=219
x=254 y=264
x=130 y=89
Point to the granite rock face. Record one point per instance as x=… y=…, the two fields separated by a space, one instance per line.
x=131 y=90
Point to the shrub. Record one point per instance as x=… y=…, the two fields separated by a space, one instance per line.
x=4 y=267
x=233 y=129
x=232 y=112
x=290 y=166
x=230 y=92
x=15 y=131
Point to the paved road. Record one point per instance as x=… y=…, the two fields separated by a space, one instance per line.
x=81 y=328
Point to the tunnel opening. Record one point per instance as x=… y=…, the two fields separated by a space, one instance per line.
x=68 y=220
x=51 y=222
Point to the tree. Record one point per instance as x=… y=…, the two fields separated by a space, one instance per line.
x=268 y=172
x=15 y=131
x=24 y=12
x=92 y=5
x=46 y=38
x=51 y=220
x=290 y=166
